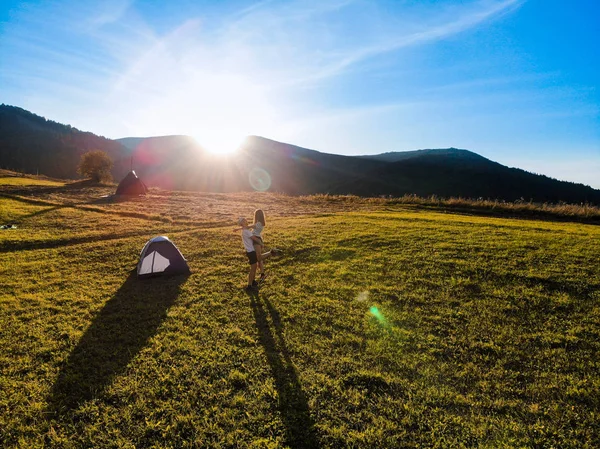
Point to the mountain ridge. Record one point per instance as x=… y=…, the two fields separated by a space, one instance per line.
x=33 y=144
x=396 y=156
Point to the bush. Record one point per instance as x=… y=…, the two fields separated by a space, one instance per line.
x=96 y=164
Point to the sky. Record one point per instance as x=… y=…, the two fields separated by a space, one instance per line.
x=515 y=81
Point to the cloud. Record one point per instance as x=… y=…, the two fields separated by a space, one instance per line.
x=109 y=11
x=313 y=43
x=252 y=65
x=256 y=62
x=429 y=34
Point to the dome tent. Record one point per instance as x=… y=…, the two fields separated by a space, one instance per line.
x=160 y=256
x=131 y=185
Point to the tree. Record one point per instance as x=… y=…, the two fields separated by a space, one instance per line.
x=95 y=164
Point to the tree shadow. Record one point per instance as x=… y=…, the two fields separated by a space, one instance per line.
x=20 y=220
x=582 y=290
x=293 y=404
x=114 y=198
x=116 y=335
x=69 y=187
x=24 y=245
x=514 y=214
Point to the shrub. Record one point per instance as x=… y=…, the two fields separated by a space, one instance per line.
x=96 y=164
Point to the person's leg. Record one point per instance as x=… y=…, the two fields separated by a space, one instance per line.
x=258 y=249
x=252 y=260
x=251 y=274
x=265 y=255
x=263 y=274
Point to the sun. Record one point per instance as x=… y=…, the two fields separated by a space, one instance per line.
x=221 y=110
x=230 y=111
x=220 y=141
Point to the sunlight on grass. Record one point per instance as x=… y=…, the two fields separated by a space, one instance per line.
x=23 y=181
x=376 y=328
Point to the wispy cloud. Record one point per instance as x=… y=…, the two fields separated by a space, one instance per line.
x=464 y=21
x=264 y=51
x=318 y=36
x=109 y=11
x=247 y=69
x=289 y=11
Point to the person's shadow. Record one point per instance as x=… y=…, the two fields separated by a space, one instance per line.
x=293 y=404
x=119 y=331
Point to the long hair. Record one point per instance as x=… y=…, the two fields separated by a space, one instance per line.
x=259 y=215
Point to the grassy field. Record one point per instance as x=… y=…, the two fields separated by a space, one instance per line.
x=18 y=181
x=382 y=325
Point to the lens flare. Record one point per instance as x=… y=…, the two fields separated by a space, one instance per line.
x=363 y=296
x=259 y=179
x=377 y=314
x=304 y=159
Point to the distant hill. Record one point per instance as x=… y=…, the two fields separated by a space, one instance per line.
x=466 y=174
x=131 y=142
x=180 y=163
x=33 y=144
x=396 y=156
x=443 y=172
x=301 y=171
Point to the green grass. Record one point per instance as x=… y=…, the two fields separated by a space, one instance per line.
x=26 y=181
x=376 y=328
x=584 y=212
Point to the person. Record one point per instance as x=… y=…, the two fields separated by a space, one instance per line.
x=257 y=228
x=248 y=241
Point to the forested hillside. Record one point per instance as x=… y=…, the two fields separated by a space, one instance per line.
x=33 y=144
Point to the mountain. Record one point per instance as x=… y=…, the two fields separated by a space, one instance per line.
x=462 y=173
x=396 y=156
x=447 y=172
x=180 y=163
x=31 y=143
x=300 y=171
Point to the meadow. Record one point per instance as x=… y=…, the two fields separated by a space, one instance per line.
x=8 y=178
x=383 y=324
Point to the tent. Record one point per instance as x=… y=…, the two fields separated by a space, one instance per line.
x=131 y=185
x=160 y=256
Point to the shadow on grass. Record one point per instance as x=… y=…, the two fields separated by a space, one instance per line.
x=39 y=212
x=512 y=214
x=16 y=246
x=69 y=187
x=293 y=404
x=582 y=290
x=115 y=336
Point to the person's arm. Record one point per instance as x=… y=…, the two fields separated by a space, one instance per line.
x=241 y=229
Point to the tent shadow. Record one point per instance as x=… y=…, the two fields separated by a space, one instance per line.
x=115 y=336
x=293 y=404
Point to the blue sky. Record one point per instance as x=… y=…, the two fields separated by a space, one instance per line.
x=513 y=80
